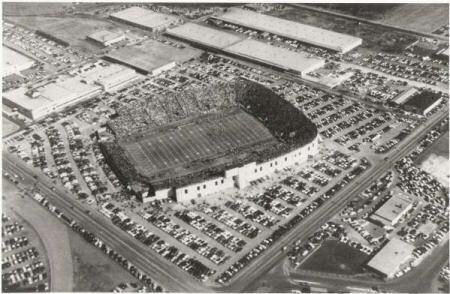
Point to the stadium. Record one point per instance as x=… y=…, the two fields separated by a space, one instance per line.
x=248 y=133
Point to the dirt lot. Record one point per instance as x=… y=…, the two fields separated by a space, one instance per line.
x=420 y=17
x=93 y=270
x=336 y=257
x=70 y=29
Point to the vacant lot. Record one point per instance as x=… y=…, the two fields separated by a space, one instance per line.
x=336 y=257
x=421 y=17
x=73 y=30
x=93 y=270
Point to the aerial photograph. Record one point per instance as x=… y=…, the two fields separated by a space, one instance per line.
x=225 y=147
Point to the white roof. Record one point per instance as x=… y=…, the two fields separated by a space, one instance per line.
x=398 y=204
x=391 y=256
x=52 y=94
x=280 y=57
x=204 y=35
x=145 y=17
x=104 y=36
x=290 y=29
x=13 y=61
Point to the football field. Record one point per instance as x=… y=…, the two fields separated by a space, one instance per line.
x=196 y=141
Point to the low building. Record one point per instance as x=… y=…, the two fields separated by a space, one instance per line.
x=392 y=210
x=405 y=95
x=312 y=35
x=203 y=36
x=106 y=38
x=276 y=57
x=15 y=62
x=152 y=57
x=145 y=19
x=86 y=82
x=389 y=260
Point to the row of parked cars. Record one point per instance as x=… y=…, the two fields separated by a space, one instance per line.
x=19 y=257
x=285 y=228
x=97 y=242
x=224 y=237
x=186 y=237
x=235 y=223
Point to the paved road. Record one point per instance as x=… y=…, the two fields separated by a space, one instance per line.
x=168 y=275
x=331 y=207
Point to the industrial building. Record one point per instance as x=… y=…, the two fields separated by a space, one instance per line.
x=15 y=62
x=289 y=29
x=152 y=57
x=145 y=19
x=106 y=38
x=420 y=102
x=207 y=37
x=252 y=50
x=392 y=210
x=276 y=57
x=391 y=257
x=40 y=100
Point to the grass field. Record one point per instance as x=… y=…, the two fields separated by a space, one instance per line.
x=196 y=141
x=24 y=8
x=336 y=257
x=421 y=17
x=93 y=270
x=70 y=29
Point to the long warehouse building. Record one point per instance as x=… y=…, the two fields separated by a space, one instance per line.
x=252 y=50
x=290 y=29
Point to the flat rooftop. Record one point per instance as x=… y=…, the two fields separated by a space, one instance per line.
x=204 y=35
x=279 y=57
x=145 y=18
x=152 y=55
x=421 y=101
x=290 y=29
x=395 y=206
x=51 y=95
x=13 y=60
x=105 y=36
x=195 y=144
x=391 y=256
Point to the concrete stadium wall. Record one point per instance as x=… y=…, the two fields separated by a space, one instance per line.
x=241 y=177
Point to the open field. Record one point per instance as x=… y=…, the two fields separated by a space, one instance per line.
x=70 y=29
x=336 y=257
x=93 y=270
x=421 y=17
x=8 y=127
x=23 y=8
x=51 y=231
x=196 y=141
x=374 y=37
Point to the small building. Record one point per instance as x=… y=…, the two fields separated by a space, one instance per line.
x=405 y=95
x=106 y=38
x=389 y=260
x=392 y=210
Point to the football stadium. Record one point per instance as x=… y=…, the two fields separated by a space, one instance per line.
x=245 y=136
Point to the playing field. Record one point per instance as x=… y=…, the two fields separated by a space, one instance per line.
x=208 y=139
